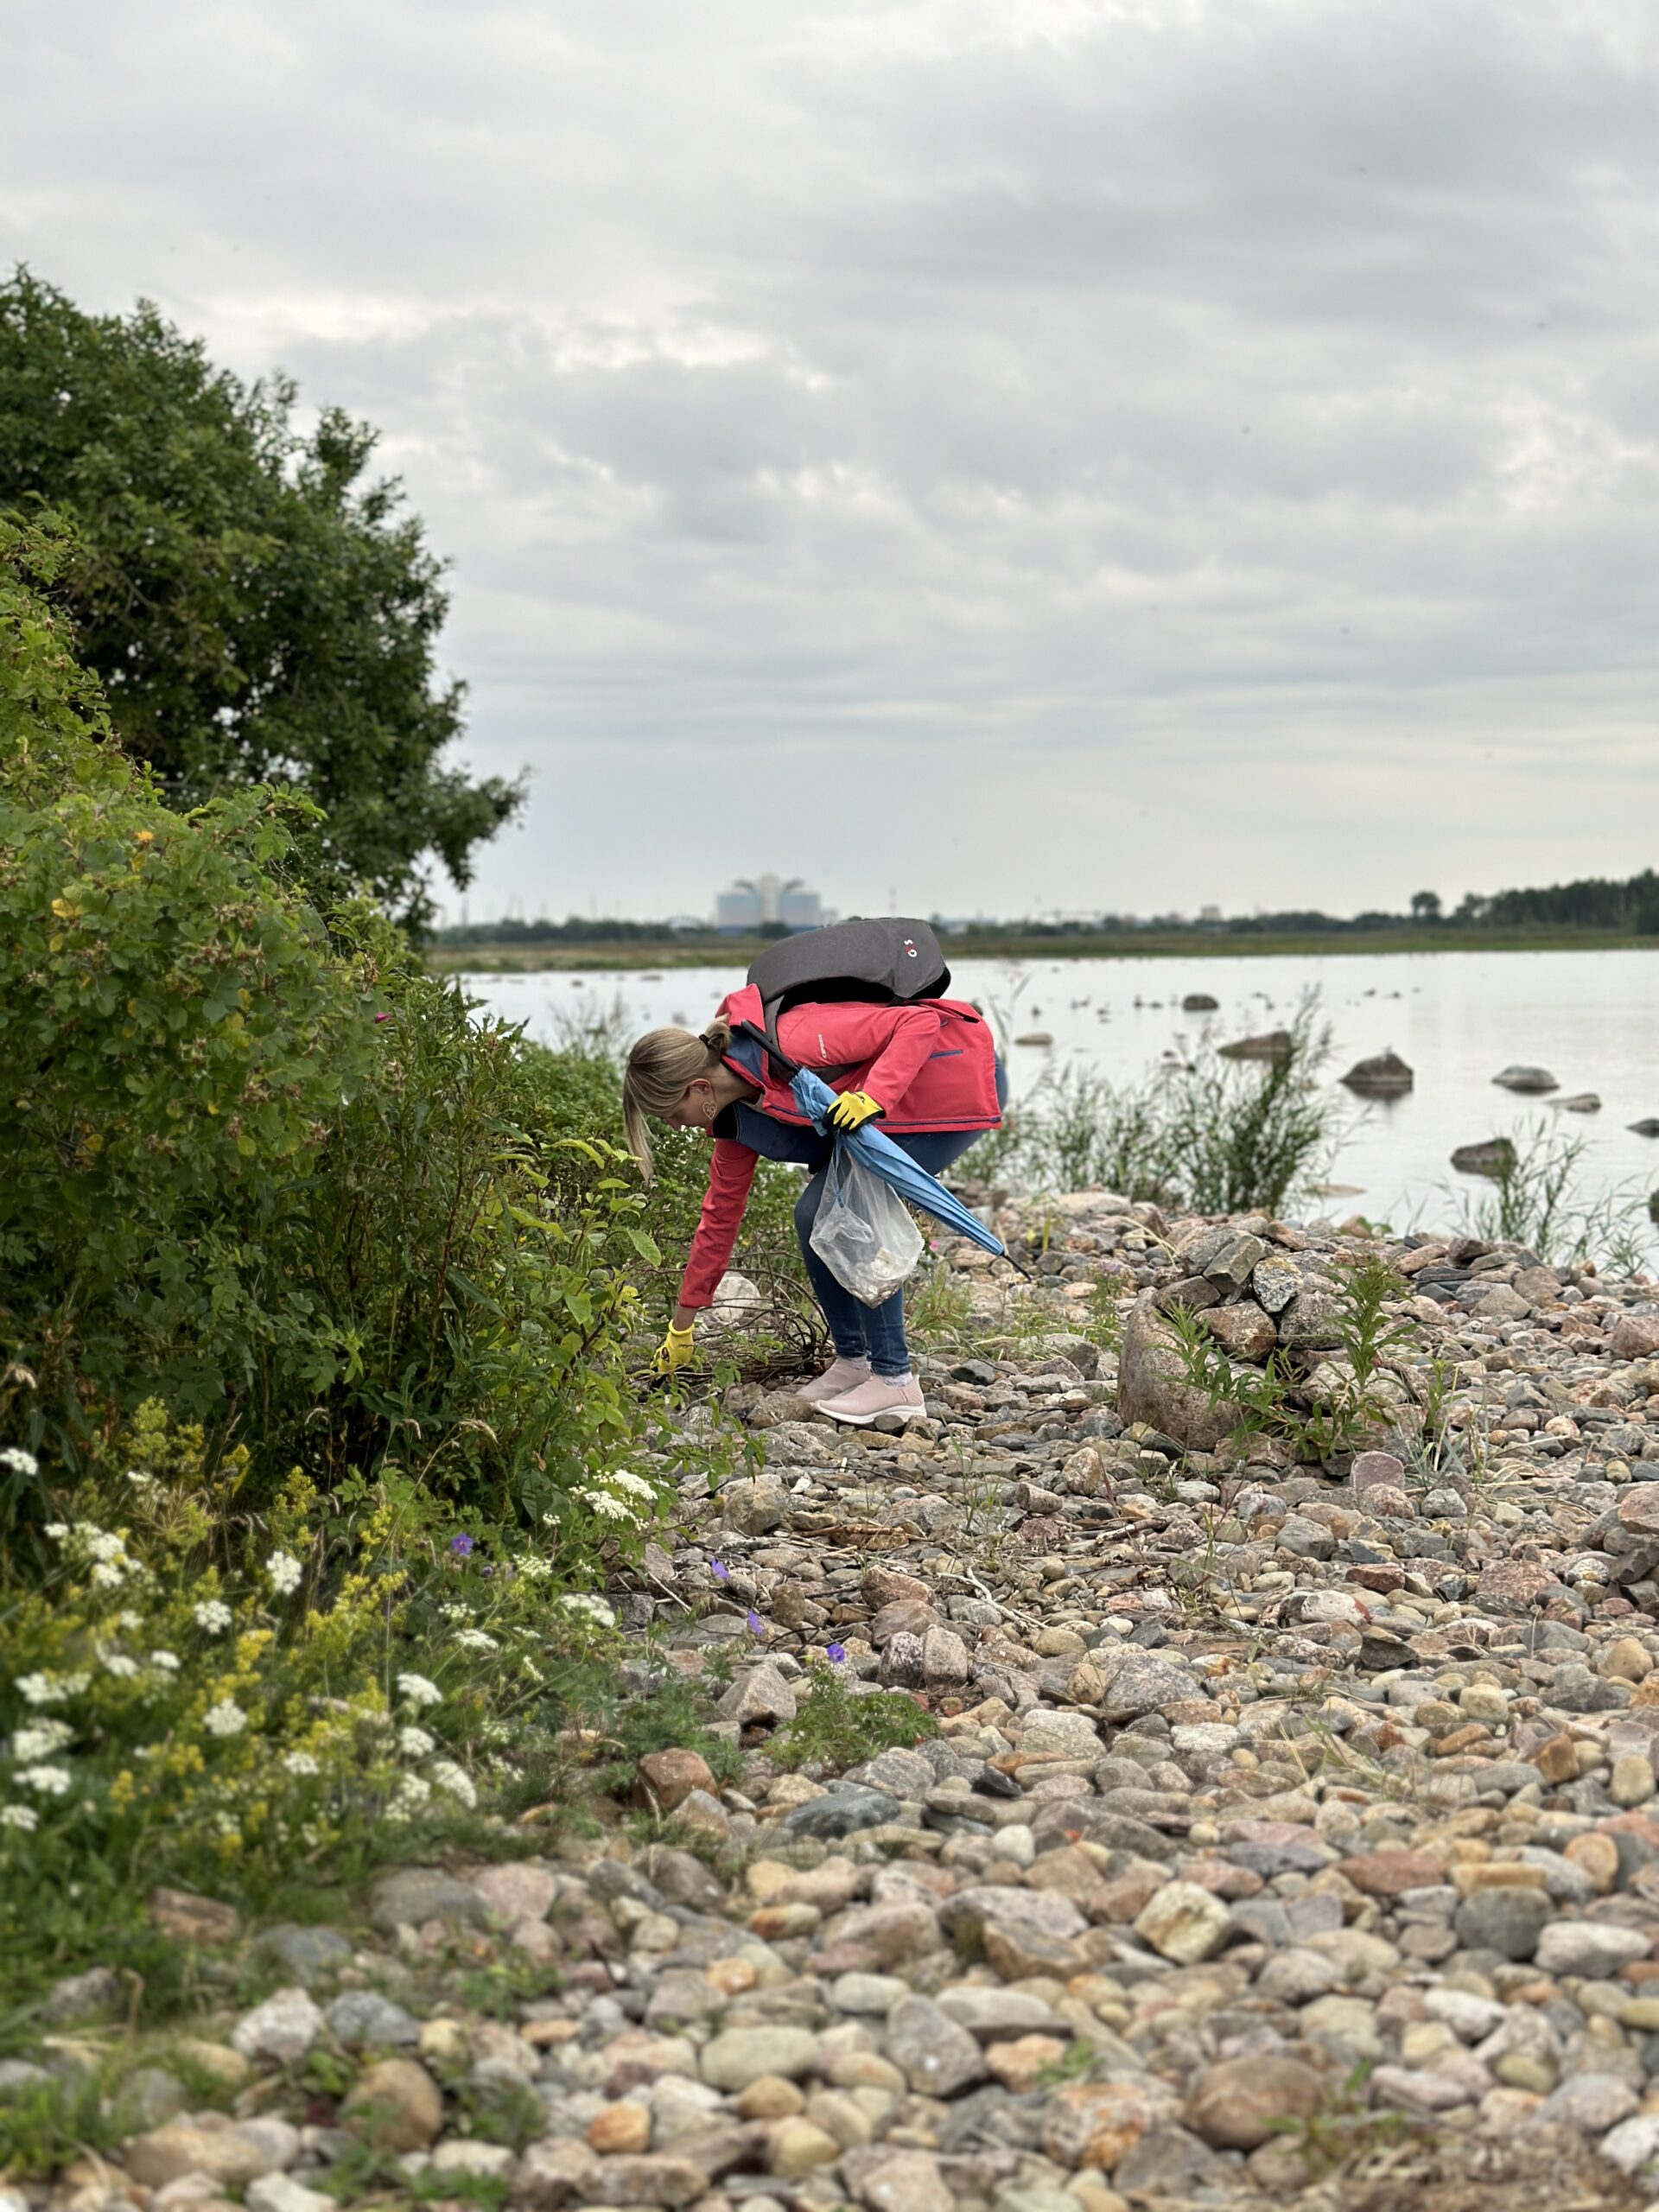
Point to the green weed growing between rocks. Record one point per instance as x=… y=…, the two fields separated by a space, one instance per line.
x=836 y=1726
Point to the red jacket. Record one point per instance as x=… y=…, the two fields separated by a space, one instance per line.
x=931 y=1065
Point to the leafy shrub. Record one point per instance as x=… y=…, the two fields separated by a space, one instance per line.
x=267 y=1170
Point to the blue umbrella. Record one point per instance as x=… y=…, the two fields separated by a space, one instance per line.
x=883 y=1157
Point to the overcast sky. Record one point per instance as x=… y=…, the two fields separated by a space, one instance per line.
x=1003 y=454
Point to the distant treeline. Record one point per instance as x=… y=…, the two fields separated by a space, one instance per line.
x=1591 y=903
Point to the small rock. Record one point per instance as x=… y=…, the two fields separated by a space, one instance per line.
x=1244 y=1330
x=1098 y=2124
x=282 y=2028
x=518 y=1890
x=362 y=2019
x=619 y=2127
x=799 y=2146
x=1631 y=1782
x=740 y=2056
x=1588 y=1948
x=885 y=2179
x=1184 y=1922
x=397 y=2105
x=936 y=2056
x=192 y=1919
x=1384 y=1075
x=409 y=1896
x=224 y=2154
x=1239 y=2103
x=760 y=1694
x=1519 y=1077
x=281 y=2193
x=1508 y=1922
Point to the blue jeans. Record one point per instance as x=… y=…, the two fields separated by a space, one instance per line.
x=857 y=1330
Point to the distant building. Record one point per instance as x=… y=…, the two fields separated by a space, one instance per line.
x=747 y=906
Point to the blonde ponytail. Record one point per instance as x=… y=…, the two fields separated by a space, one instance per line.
x=660 y=1067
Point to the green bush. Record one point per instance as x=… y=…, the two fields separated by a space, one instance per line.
x=268 y=1171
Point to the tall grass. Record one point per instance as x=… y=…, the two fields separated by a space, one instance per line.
x=1217 y=1135
x=1536 y=1201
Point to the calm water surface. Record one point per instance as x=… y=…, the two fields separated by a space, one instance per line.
x=1591 y=1018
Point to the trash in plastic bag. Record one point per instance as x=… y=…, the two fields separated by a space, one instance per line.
x=864 y=1234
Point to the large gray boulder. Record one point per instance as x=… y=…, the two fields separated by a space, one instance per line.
x=1151 y=1386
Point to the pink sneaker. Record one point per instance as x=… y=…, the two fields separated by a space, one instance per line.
x=836 y=1380
x=859 y=1407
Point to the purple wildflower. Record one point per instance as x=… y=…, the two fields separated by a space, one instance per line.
x=835 y=1653
x=757 y=1626
x=719 y=1569
x=461 y=1545
x=383 y=1017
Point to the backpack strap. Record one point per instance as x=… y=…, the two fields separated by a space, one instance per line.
x=782 y=1066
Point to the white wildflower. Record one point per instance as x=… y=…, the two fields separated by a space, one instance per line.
x=607 y=1507
x=47 y=1781
x=533 y=1567
x=100 y=1544
x=39 y=1739
x=20 y=1462
x=117 y=1663
x=455 y=1613
x=414 y=1743
x=50 y=1689
x=413 y=1789
x=285 y=1572
x=225 y=1719
x=166 y=1661
x=630 y=1484
x=142 y=1481
x=57 y=1530
x=19 y=1816
x=588 y=1606
x=300 y=1762
x=455 y=1782
x=106 y=1576
x=475 y=1639
x=129 y=1620
x=527 y=1666
x=213 y=1616
x=419 y=1691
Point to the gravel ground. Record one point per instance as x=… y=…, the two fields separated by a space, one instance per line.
x=1288 y=1834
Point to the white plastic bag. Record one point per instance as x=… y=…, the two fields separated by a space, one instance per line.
x=864 y=1234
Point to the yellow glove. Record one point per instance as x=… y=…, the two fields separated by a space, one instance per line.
x=852 y=1109
x=678 y=1350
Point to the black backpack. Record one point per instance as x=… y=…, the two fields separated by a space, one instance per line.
x=886 y=961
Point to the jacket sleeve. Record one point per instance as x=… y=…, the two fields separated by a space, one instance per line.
x=914 y=1032
x=731 y=1173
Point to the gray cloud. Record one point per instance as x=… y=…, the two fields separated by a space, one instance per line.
x=1058 y=450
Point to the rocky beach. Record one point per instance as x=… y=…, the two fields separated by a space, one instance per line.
x=1286 y=1831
